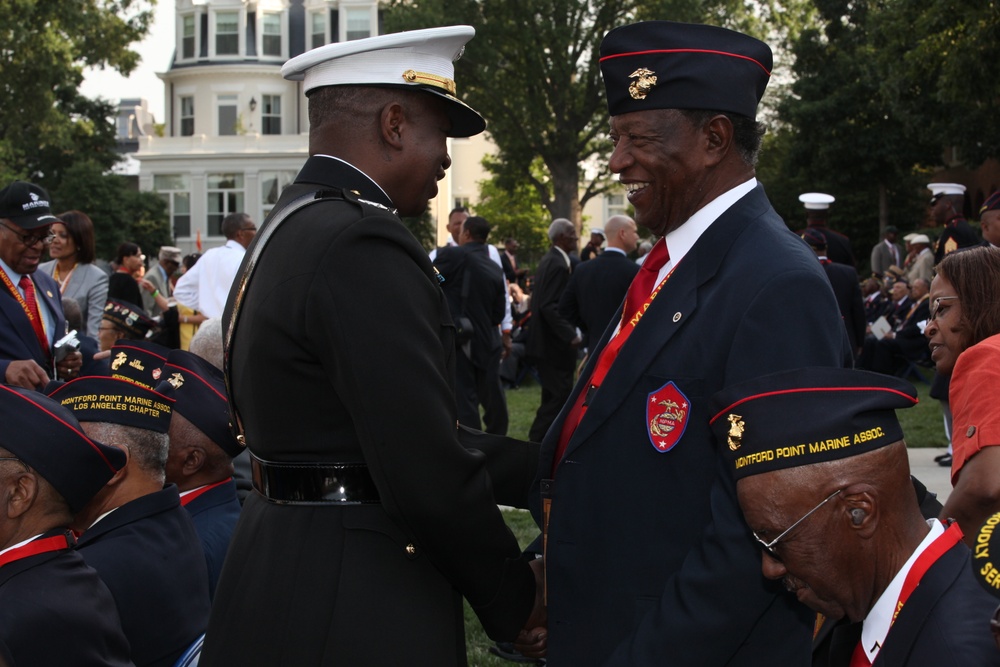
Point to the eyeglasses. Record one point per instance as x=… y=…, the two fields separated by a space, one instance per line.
x=14 y=458
x=251 y=228
x=936 y=306
x=31 y=239
x=769 y=546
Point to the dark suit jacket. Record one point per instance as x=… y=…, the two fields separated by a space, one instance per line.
x=215 y=514
x=550 y=334
x=17 y=338
x=148 y=553
x=346 y=334
x=945 y=623
x=55 y=611
x=484 y=301
x=847 y=289
x=910 y=338
x=595 y=292
x=649 y=560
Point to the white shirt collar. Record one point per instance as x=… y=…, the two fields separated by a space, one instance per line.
x=613 y=249
x=682 y=239
x=877 y=623
x=20 y=544
x=564 y=255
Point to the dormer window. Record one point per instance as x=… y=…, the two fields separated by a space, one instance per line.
x=359 y=23
x=271 y=34
x=227 y=33
x=188 y=36
x=317 y=32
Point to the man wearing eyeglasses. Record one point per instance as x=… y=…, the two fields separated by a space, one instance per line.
x=30 y=308
x=829 y=498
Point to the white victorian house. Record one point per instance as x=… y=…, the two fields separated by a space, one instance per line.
x=235 y=132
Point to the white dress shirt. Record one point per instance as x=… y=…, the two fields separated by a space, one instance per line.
x=205 y=286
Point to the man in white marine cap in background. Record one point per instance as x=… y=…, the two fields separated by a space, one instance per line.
x=838 y=246
x=947 y=206
x=370 y=521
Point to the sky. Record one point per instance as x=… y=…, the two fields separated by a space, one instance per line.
x=156 y=51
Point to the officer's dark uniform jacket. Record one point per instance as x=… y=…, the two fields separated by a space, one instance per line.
x=957 y=234
x=343 y=352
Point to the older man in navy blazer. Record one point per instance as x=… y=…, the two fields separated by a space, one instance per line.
x=648 y=560
x=31 y=314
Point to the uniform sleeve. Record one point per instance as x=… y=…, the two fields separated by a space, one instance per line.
x=696 y=609
x=388 y=363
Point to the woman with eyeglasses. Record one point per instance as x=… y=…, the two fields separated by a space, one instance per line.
x=130 y=267
x=72 y=253
x=964 y=338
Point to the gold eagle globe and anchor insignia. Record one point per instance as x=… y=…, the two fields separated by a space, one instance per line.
x=735 y=435
x=176 y=380
x=665 y=422
x=645 y=80
x=120 y=359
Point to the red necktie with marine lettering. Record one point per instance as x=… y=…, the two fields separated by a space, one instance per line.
x=33 y=313
x=637 y=299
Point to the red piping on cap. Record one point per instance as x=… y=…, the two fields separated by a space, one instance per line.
x=710 y=51
x=811 y=389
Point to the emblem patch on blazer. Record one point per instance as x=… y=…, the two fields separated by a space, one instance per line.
x=667 y=412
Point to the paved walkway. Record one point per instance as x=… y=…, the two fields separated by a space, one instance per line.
x=924 y=468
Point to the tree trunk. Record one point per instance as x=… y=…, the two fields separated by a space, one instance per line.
x=566 y=191
x=883 y=209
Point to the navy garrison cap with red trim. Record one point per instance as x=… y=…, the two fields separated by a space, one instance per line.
x=669 y=65
x=200 y=391
x=139 y=361
x=807 y=415
x=47 y=437
x=102 y=399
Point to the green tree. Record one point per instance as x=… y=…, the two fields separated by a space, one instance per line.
x=514 y=213
x=533 y=71
x=120 y=213
x=45 y=124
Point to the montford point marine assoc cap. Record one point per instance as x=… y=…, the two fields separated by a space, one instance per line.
x=103 y=399
x=26 y=205
x=814 y=238
x=421 y=59
x=939 y=190
x=670 y=65
x=838 y=412
x=986 y=556
x=816 y=201
x=128 y=317
x=992 y=203
x=139 y=361
x=47 y=437
x=199 y=389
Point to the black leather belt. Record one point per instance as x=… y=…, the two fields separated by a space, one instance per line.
x=314 y=483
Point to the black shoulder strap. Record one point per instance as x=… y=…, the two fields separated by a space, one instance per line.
x=231 y=317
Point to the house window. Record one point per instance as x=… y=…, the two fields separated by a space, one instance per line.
x=187 y=38
x=359 y=23
x=227 y=33
x=317 y=32
x=175 y=190
x=271 y=185
x=270 y=116
x=272 y=34
x=187 y=116
x=225 y=196
x=614 y=205
x=462 y=202
x=228 y=118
